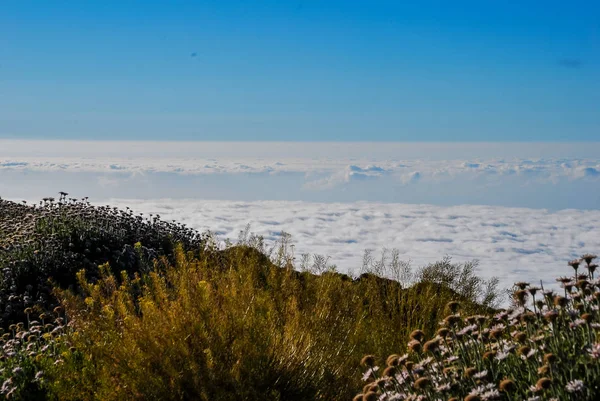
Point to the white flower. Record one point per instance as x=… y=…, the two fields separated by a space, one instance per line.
x=595 y=351
x=574 y=386
x=368 y=374
x=6 y=386
x=490 y=395
x=39 y=375
x=467 y=329
x=425 y=362
x=480 y=390
x=480 y=375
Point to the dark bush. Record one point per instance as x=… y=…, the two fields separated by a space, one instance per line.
x=56 y=238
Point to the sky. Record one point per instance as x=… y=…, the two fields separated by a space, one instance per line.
x=268 y=70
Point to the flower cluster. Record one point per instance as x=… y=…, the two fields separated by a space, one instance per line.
x=24 y=351
x=545 y=347
x=58 y=237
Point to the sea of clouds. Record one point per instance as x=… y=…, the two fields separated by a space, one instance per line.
x=511 y=243
x=521 y=209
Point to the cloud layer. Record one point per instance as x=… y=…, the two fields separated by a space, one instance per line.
x=511 y=243
x=548 y=175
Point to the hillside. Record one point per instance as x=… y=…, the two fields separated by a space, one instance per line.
x=113 y=305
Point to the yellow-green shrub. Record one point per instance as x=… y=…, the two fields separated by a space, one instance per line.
x=230 y=325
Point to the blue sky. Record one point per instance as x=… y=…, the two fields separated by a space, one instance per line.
x=300 y=70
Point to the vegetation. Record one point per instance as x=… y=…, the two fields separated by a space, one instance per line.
x=545 y=347
x=187 y=319
x=57 y=238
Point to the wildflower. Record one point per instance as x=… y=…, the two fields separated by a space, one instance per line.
x=425 y=362
x=560 y=301
x=414 y=346
x=431 y=346
x=543 y=384
x=368 y=374
x=442 y=387
x=402 y=359
x=520 y=336
x=491 y=395
x=417 y=335
x=577 y=323
x=451 y=320
x=522 y=285
x=470 y=372
x=443 y=332
x=496 y=333
x=39 y=375
x=543 y=370
x=528 y=317
x=520 y=296
x=368 y=360
x=392 y=360
x=528 y=355
x=422 y=383
x=480 y=375
x=501 y=355
x=595 y=351
x=575 y=263
x=489 y=355
x=574 y=386
x=588 y=257
x=467 y=330
x=390 y=371
x=6 y=386
x=507 y=386
x=524 y=350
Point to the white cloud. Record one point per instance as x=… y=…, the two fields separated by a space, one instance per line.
x=511 y=243
x=547 y=175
